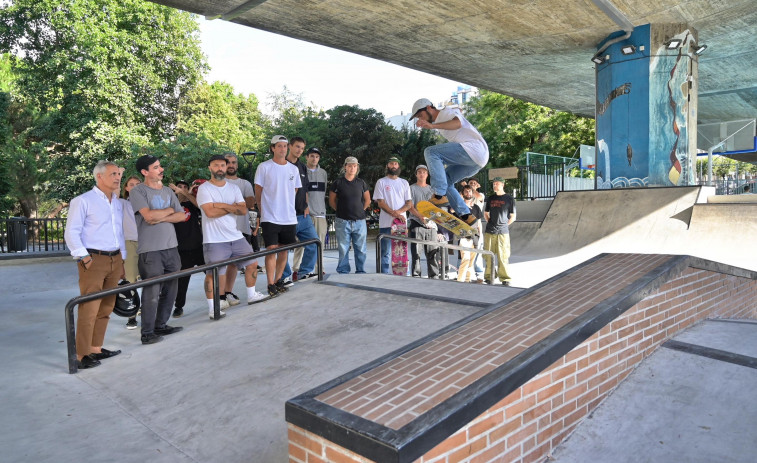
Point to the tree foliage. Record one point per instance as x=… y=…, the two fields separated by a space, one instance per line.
x=512 y=127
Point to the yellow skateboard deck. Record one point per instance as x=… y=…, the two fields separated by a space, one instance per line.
x=445 y=219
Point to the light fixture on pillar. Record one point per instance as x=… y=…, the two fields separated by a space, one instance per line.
x=672 y=44
x=699 y=49
x=598 y=58
x=628 y=49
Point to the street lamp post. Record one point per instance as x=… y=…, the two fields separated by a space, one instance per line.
x=249 y=157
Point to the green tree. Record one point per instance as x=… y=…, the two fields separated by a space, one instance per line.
x=219 y=114
x=511 y=127
x=102 y=75
x=184 y=157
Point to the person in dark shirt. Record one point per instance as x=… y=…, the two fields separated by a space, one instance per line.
x=350 y=196
x=499 y=212
x=189 y=235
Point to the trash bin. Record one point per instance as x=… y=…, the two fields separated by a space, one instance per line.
x=17 y=234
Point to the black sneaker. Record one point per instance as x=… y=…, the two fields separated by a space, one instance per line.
x=178 y=312
x=273 y=290
x=151 y=338
x=281 y=287
x=168 y=330
x=131 y=324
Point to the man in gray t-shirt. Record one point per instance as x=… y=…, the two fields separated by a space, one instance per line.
x=156 y=209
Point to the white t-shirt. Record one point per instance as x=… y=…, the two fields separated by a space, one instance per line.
x=395 y=192
x=219 y=229
x=243 y=221
x=279 y=183
x=467 y=135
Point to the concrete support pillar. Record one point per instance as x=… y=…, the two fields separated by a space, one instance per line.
x=646 y=108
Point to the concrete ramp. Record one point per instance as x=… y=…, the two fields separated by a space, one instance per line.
x=582 y=224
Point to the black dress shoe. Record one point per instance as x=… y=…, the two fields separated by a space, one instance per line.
x=151 y=338
x=105 y=353
x=168 y=330
x=88 y=361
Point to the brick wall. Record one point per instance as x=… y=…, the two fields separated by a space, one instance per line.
x=531 y=421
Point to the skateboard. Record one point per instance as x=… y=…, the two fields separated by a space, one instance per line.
x=399 y=248
x=445 y=219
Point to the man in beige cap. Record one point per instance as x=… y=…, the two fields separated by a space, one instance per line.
x=350 y=196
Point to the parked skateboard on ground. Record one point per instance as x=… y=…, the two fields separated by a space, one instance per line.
x=399 y=248
x=445 y=219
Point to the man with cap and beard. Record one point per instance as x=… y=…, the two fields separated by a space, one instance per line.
x=393 y=197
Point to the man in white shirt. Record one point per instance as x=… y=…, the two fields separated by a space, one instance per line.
x=464 y=155
x=276 y=183
x=394 y=199
x=220 y=201
x=94 y=234
x=243 y=221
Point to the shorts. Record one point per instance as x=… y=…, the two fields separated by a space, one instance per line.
x=275 y=234
x=216 y=252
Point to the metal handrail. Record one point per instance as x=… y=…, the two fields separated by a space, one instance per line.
x=445 y=258
x=69 y=310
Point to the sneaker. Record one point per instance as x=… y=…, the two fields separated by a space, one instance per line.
x=487 y=282
x=151 y=338
x=224 y=304
x=287 y=282
x=131 y=324
x=232 y=299
x=178 y=312
x=256 y=297
x=212 y=316
x=479 y=281
x=273 y=290
x=261 y=269
x=309 y=275
x=471 y=220
x=294 y=276
x=438 y=202
x=168 y=330
x=506 y=283
x=281 y=287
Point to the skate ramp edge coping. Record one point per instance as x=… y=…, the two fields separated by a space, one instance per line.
x=548 y=355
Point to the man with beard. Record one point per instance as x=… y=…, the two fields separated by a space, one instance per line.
x=94 y=234
x=243 y=221
x=448 y=163
x=156 y=208
x=219 y=202
x=422 y=228
x=467 y=257
x=394 y=199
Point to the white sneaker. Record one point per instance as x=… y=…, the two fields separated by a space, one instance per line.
x=256 y=297
x=212 y=316
x=225 y=304
x=232 y=299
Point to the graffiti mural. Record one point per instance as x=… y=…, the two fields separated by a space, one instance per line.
x=642 y=113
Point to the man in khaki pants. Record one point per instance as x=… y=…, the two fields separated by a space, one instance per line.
x=95 y=236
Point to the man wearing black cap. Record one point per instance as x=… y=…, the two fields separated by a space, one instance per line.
x=448 y=163
x=156 y=208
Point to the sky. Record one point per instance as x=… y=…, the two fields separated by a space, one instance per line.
x=254 y=61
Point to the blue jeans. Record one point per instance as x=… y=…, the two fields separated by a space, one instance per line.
x=355 y=232
x=459 y=166
x=386 y=251
x=305 y=231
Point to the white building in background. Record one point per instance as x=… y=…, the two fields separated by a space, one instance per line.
x=458 y=99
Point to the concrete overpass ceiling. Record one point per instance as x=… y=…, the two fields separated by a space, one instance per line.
x=536 y=50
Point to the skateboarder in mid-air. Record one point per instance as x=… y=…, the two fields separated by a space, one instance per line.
x=464 y=155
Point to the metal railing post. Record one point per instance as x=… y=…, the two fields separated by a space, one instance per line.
x=216 y=296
